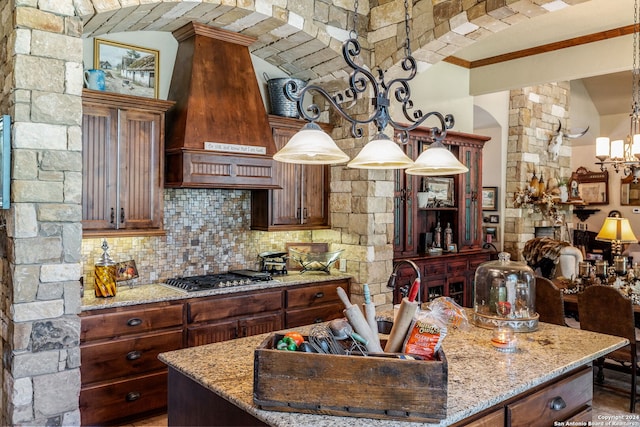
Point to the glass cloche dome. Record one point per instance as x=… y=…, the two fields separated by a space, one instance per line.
x=505 y=293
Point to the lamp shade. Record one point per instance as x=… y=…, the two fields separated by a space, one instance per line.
x=311 y=145
x=436 y=160
x=381 y=153
x=616 y=230
x=602 y=148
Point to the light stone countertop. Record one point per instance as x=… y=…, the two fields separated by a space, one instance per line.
x=157 y=292
x=479 y=376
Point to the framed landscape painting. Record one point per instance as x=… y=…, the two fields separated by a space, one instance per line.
x=128 y=69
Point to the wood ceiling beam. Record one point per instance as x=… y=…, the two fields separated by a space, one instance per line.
x=549 y=47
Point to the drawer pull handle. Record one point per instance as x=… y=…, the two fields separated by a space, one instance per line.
x=319 y=295
x=134 y=322
x=318 y=320
x=134 y=355
x=557 y=404
x=132 y=396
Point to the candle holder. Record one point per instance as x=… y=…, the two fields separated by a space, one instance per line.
x=504 y=339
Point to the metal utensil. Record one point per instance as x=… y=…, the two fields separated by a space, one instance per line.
x=321 y=338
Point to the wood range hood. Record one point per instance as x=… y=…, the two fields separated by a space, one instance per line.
x=218 y=133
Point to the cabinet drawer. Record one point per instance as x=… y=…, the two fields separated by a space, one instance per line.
x=313 y=296
x=232 y=306
x=126 y=357
x=307 y=316
x=435 y=268
x=105 y=404
x=475 y=261
x=457 y=267
x=109 y=325
x=575 y=391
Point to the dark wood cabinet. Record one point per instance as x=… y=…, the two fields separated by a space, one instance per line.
x=120 y=372
x=450 y=274
x=122 y=378
x=302 y=203
x=224 y=317
x=122 y=156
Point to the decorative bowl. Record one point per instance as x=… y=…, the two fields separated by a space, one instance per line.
x=315 y=261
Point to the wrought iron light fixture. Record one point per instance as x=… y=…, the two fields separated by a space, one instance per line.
x=312 y=146
x=625 y=154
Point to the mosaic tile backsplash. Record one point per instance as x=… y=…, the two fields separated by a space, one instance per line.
x=208 y=231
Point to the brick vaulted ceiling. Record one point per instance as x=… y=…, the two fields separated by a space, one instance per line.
x=304 y=37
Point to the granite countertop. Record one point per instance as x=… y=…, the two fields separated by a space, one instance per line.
x=479 y=375
x=157 y=292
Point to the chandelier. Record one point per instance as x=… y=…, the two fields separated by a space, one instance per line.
x=625 y=154
x=311 y=145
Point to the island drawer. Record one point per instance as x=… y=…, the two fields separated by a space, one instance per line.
x=558 y=401
x=106 y=404
x=315 y=295
x=127 y=321
x=203 y=310
x=128 y=356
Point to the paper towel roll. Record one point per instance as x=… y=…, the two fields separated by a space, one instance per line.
x=401 y=325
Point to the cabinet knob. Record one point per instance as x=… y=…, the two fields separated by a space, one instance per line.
x=557 y=404
x=318 y=320
x=319 y=295
x=136 y=321
x=132 y=396
x=134 y=355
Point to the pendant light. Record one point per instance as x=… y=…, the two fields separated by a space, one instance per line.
x=381 y=152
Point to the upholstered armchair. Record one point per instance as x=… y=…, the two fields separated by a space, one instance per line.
x=552 y=258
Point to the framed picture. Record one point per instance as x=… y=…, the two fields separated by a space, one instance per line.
x=5 y=160
x=128 y=69
x=489 y=198
x=436 y=192
x=126 y=270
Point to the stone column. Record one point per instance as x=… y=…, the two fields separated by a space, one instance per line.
x=42 y=84
x=533 y=117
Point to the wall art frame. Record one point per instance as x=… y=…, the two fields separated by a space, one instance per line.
x=129 y=69
x=489 y=198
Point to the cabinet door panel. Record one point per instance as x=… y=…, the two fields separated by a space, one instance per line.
x=315 y=200
x=260 y=324
x=140 y=164
x=99 y=157
x=212 y=332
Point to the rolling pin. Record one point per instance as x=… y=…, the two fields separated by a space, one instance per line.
x=370 y=313
x=402 y=323
x=359 y=323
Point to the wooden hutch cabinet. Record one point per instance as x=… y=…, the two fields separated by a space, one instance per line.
x=451 y=273
x=303 y=201
x=122 y=157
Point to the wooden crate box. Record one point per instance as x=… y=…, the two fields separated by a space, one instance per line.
x=352 y=386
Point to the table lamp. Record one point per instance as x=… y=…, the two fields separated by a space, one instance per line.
x=617 y=231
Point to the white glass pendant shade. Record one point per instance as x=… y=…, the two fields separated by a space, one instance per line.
x=311 y=145
x=617 y=149
x=436 y=160
x=381 y=153
x=602 y=148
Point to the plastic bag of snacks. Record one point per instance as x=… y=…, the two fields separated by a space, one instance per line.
x=425 y=335
x=449 y=312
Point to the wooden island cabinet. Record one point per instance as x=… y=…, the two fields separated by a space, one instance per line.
x=121 y=376
x=415 y=219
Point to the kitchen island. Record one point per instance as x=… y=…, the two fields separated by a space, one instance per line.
x=481 y=378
